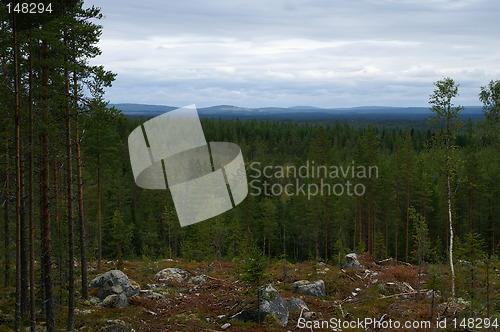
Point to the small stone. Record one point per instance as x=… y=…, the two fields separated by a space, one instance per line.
x=151 y=295
x=225 y=326
x=432 y=293
x=114 y=301
x=309 y=315
x=201 y=279
x=83 y=312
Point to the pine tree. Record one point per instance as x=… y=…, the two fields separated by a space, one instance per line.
x=253 y=266
x=121 y=234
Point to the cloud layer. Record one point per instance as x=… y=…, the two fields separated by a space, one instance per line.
x=297 y=52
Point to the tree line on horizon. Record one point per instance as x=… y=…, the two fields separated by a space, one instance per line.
x=69 y=199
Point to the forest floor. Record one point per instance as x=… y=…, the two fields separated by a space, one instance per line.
x=390 y=291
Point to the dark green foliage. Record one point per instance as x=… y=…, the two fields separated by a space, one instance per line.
x=296 y=225
x=253 y=266
x=471 y=248
x=422 y=244
x=121 y=234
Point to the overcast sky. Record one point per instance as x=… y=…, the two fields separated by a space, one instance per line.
x=324 y=53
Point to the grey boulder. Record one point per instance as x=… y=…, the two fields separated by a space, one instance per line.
x=114 y=288
x=171 y=273
x=272 y=307
x=351 y=261
x=306 y=287
x=294 y=303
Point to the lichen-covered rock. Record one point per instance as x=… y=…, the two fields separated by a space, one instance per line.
x=92 y=301
x=294 y=303
x=116 y=325
x=114 y=301
x=272 y=308
x=171 y=273
x=306 y=287
x=114 y=288
x=351 y=261
x=201 y=279
x=150 y=295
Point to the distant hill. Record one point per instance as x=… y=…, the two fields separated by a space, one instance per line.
x=302 y=113
x=304 y=108
x=142 y=109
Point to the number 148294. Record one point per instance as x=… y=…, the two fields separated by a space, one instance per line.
x=29 y=8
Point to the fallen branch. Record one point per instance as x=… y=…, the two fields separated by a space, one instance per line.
x=345 y=300
x=235 y=305
x=392 y=260
x=341 y=311
x=300 y=316
x=407 y=293
x=344 y=272
x=407 y=285
x=404 y=263
x=212 y=278
x=384 y=261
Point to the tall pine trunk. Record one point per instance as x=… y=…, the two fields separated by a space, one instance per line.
x=31 y=194
x=81 y=216
x=396 y=230
x=69 y=169
x=407 y=224
x=46 y=245
x=59 y=231
x=99 y=212
x=17 y=135
x=7 y=218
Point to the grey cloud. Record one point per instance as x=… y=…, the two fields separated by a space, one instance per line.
x=283 y=53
